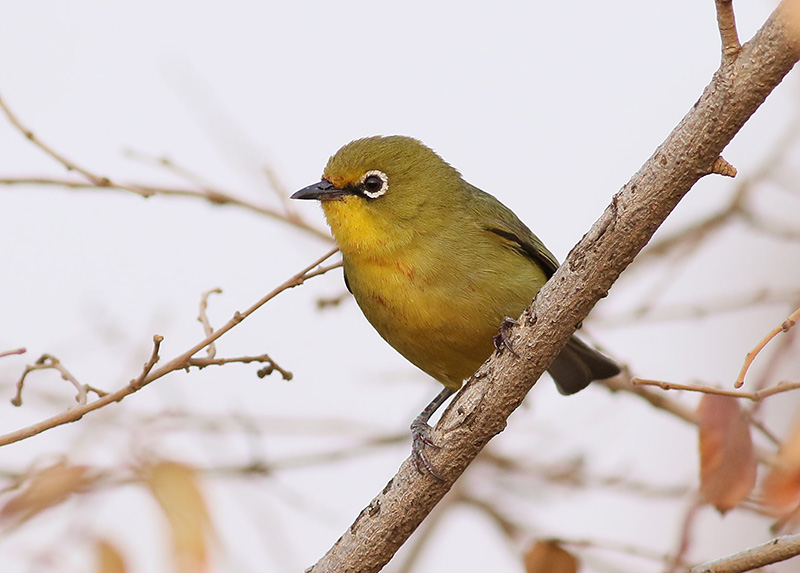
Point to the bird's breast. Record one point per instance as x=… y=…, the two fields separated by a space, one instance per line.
x=437 y=297
x=429 y=311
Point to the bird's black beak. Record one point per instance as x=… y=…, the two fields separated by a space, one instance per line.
x=323 y=191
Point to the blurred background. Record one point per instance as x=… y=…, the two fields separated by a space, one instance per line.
x=549 y=106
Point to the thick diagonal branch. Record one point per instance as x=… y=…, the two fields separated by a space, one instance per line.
x=480 y=411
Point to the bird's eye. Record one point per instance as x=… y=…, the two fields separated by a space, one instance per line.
x=374 y=184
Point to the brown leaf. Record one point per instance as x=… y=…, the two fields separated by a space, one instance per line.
x=782 y=484
x=109 y=559
x=175 y=488
x=46 y=488
x=549 y=557
x=727 y=459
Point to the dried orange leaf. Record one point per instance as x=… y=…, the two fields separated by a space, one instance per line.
x=175 y=488
x=782 y=484
x=549 y=557
x=109 y=559
x=46 y=488
x=727 y=459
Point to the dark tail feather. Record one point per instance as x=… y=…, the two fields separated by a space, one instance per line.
x=577 y=365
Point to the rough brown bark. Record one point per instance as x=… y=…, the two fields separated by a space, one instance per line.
x=481 y=409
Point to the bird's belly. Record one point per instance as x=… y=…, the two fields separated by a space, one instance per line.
x=444 y=327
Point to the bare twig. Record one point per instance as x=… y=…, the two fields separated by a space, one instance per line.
x=206 y=192
x=139 y=381
x=615 y=546
x=5 y=353
x=211 y=351
x=698 y=309
x=749 y=416
x=722 y=167
x=99 y=181
x=263 y=358
x=514 y=531
x=95 y=180
x=754 y=396
x=770 y=227
x=659 y=400
x=319 y=458
x=678 y=560
x=782 y=327
x=180 y=362
x=173 y=167
x=289 y=214
x=774 y=551
x=49 y=362
x=727 y=29
x=656 y=399
x=573 y=473
x=212 y=196
x=781 y=351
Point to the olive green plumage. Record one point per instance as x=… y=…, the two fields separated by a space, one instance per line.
x=435 y=263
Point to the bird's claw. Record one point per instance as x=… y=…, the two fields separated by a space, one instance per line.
x=501 y=339
x=421 y=439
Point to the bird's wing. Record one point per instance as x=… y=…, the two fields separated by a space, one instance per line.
x=346 y=282
x=502 y=221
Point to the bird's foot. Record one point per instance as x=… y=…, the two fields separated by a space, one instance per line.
x=501 y=339
x=421 y=439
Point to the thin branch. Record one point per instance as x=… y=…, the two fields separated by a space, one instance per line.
x=727 y=29
x=514 y=531
x=213 y=196
x=785 y=521
x=138 y=382
x=782 y=327
x=722 y=167
x=172 y=167
x=49 y=362
x=100 y=181
x=781 y=351
x=12 y=352
x=615 y=546
x=271 y=366
x=180 y=362
x=770 y=227
x=289 y=214
x=202 y=317
x=660 y=401
x=572 y=473
x=761 y=427
x=95 y=180
x=656 y=399
x=678 y=560
x=754 y=396
x=774 y=551
x=363 y=447
x=698 y=309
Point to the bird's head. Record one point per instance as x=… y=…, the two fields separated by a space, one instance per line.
x=383 y=190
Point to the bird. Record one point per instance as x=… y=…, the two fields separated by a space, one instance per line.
x=438 y=267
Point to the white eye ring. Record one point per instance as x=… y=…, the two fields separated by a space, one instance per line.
x=384 y=186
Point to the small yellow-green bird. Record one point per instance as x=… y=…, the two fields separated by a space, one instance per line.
x=437 y=265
